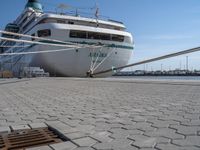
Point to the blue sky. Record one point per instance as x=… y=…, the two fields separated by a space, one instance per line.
x=158 y=26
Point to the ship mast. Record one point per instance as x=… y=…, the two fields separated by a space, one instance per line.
x=97 y=14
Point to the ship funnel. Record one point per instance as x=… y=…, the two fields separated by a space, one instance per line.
x=34 y=4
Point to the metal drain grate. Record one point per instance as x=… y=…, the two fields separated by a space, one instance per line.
x=19 y=140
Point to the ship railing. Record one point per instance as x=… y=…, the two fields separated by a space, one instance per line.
x=84 y=14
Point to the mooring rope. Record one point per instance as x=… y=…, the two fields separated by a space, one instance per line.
x=99 y=53
x=38 y=52
x=36 y=37
x=12 y=46
x=71 y=44
x=92 y=59
x=108 y=55
x=34 y=42
x=47 y=51
x=151 y=60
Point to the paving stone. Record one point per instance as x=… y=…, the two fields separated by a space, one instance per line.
x=61 y=127
x=83 y=148
x=14 y=119
x=142 y=141
x=175 y=147
x=86 y=128
x=102 y=136
x=165 y=132
x=115 y=144
x=163 y=124
x=148 y=142
x=119 y=133
x=86 y=141
x=4 y=129
x=124 y=121
x=138 y=118
x=186 y=130
x=63 y=146
x=103 y=146
x=148 y=149
x=129 y=147
x=192 y=116
x=38 y=125
x=188 y=141
x=144 y=126
x=20 y=127
x=174 y=117
x=75 y=135
x=102 y=127
x=69 y=130
x=40 y=148
x=191 y=123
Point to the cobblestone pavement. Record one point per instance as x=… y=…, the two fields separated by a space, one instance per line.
x=106 y=114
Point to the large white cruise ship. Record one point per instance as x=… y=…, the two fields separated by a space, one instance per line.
x=103 y=44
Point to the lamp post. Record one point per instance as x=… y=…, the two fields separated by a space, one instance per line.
x=187 y=64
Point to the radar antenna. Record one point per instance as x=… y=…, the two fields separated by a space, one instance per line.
x=97 y=13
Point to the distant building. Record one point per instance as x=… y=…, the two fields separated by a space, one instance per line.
x=139 y=72
x=176 y=72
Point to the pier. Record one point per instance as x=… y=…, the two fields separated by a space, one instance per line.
x=106 y=114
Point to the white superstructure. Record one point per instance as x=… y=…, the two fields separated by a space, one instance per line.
x=113 y=45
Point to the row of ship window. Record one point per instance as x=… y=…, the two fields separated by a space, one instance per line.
x=85 y=35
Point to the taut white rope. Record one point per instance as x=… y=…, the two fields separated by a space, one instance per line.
x=109 y=54
x=36 y=52
x=93 y=66
x=45 y=51
x=35 y=37
x=46 y=39
x=192 y=50
x=12 y=46
x=92 y=59
x=34 y=42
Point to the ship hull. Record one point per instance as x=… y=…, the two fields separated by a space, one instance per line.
x=78 y=62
